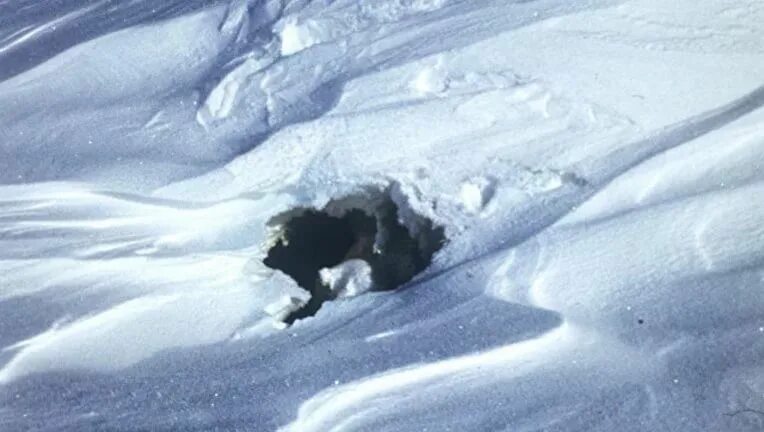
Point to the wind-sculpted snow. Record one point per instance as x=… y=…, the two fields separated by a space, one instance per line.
x=597 y=168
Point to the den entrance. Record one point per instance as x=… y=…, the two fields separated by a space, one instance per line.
x=312 y=240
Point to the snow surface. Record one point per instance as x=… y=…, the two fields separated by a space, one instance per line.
x=598 y=167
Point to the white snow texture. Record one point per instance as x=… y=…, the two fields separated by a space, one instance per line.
x=597 y=165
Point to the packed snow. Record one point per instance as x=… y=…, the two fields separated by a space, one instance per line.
x=596 y=166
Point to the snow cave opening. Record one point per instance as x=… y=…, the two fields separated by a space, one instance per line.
x=352 y=245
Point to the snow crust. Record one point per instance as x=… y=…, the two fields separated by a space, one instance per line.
x=598 y=167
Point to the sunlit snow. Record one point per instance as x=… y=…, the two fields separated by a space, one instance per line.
x=584 y=179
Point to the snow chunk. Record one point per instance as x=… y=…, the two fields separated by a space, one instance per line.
x=430 y=81
x=476 y=193
x=296 y=36
x=348 y=279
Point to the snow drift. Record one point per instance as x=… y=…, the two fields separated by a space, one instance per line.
x=596 y=167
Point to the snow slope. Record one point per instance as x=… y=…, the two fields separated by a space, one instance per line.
x=598 y=167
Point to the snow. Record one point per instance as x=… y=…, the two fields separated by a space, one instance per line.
x=598 y=168
x=347 y=279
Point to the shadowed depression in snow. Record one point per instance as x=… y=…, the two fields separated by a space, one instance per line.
x=312 y=240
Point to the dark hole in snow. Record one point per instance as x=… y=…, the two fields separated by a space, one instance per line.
x=312 y=240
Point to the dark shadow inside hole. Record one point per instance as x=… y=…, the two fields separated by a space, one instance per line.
x=313 y=240
x=401 y=256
